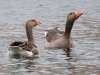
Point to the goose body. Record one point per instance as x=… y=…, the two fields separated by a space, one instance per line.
x=25 y=48
x=61 y=42
x=56 y=39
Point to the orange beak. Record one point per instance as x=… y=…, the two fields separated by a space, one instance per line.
x=38 y=22
x=78 y=13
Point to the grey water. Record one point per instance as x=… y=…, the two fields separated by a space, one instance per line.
x=84 y=59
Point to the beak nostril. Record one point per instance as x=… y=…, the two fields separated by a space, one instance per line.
x=78 y=13
x=38 y=22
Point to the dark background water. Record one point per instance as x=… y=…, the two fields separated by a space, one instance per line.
x=85 y=57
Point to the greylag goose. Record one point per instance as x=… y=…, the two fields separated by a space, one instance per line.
x=56 y=39
x=26 y=48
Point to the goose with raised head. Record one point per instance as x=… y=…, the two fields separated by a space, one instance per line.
x=26 y=48
x=56 y=39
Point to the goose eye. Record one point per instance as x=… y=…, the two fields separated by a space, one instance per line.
x=33 y=20
x=70 y=13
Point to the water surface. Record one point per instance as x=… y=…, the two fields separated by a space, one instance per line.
x=84 y=58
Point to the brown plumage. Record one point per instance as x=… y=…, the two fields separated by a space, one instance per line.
x=27 y=48
x=62 y=39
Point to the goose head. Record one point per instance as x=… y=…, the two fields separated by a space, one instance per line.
x=74 y=16
x=33 y=22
